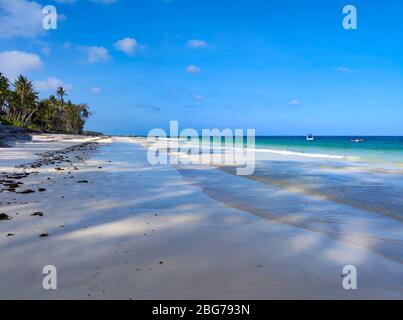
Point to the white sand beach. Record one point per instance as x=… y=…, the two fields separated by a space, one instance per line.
x=117 y=227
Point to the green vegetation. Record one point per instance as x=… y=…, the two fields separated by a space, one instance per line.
x=21 y=107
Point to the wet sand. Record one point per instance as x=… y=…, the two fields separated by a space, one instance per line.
x=118 y=228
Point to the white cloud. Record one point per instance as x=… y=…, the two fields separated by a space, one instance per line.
x=175 y=92
x=96 y=1
x=96 y=54
x=67 y=45
x=13 y=63
x=126 y=45
x=197 y=44
x=96 y=90
x=65 y=1
x=197 y=97
x=147 y=107
x=104 y=1
x=20 y=18
x=51 y=84
x=294 y=102
x=45 y=50
x=344 y=69
x=193 y=69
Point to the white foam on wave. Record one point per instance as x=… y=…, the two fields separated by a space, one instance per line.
x=288 y=153
x=171 y=139
x=262 y=150
x=300 y=154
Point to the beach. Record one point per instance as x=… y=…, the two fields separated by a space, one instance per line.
x=117 y=227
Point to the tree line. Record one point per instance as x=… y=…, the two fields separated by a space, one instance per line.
x=20 y=106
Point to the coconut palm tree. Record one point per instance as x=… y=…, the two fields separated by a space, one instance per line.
x=61 y=93
x=4 y=95
x=20 y=106
x=62 y=118
x=24 y=102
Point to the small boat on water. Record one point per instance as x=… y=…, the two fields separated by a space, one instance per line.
x=357 y=140
x=310 y=137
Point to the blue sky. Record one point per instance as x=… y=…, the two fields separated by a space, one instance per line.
x=281 y=67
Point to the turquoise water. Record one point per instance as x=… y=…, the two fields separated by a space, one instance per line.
x=379 y=149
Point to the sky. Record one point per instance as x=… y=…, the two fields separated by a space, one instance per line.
x=281 y=67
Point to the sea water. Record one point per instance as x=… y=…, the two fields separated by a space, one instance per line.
x=372 y=149
x=380 y=149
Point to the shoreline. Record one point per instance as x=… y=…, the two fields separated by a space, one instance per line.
x=136 y=231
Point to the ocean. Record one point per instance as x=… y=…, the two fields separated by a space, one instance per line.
x=379 y=149
x=369 y=148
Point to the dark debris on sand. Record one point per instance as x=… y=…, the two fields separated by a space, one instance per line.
x=62 y=156
x=7 y=181
x=10 y=181
x=27 y=191
x=4 y=216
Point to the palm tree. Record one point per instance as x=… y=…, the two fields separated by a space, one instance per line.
x=61 y=93
x=25 y=100
x=4 y=94
x=21 y=106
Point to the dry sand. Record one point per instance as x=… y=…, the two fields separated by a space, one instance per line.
x=119 y=228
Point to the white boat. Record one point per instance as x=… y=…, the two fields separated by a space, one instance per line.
x=310 y=137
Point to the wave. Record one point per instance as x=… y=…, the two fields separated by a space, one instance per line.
x=269 y=150
x=171 y=139
x=300 y=154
